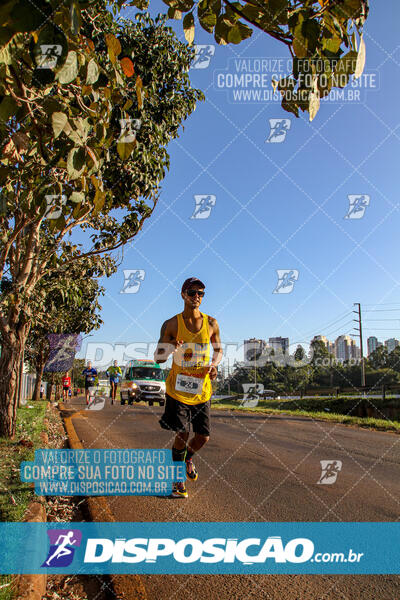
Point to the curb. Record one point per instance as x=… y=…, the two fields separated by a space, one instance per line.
x=126 y=587
x=33 y=587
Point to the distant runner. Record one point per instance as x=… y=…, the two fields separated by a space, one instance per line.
x=187 y=336
x=66 y=383
x=90 y=375
x=114 y=373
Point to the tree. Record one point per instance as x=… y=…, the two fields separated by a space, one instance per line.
x=379 y=359
x=70 y=306
x=84 y=145
x=324 y=38
x=393 y=359
x=78 y=366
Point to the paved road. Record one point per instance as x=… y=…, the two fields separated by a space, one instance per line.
x=262 y=468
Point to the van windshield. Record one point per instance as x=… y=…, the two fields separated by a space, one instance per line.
x=144 y=373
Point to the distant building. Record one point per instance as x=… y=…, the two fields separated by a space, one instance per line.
x=391 y=344
x=253 y=348
x=373 y=344
x=279 y=344
x=346 y=348
x=330 y=346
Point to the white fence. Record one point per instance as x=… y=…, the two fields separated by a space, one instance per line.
x=28 y=386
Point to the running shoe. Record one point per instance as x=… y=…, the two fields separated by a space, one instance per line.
x=179 y=490
x=191 y=470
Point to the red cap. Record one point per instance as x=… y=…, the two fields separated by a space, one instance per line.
x=192 y=281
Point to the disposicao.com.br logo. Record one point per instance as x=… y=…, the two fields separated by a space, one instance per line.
x=247 y=551
x=200 y=547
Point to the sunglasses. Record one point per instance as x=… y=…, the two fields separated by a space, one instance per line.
x=192 y=293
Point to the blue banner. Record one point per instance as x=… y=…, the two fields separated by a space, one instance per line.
x=128 y=472
x=200 y=548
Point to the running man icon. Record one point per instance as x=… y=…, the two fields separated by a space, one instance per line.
x=61 y=553
x=204 y=205
x=286 y=280
x=358 y=204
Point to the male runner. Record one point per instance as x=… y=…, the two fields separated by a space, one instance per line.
x=114 y=373
x=66 y=383
x=187 y=336
x=90 y=375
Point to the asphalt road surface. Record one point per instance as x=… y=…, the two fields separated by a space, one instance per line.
x=261 y=468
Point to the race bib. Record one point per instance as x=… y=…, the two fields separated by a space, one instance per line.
x=188 y=384
x=89 y=378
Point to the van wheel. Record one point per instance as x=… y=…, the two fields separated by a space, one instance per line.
x=162 y=402
x=150 y=402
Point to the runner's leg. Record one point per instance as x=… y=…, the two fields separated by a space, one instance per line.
x=200 y=418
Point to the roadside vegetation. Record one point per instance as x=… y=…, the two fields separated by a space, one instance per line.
x=15 y=495
x=317 y=408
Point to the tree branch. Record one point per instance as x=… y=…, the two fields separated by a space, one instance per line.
x=274 y=34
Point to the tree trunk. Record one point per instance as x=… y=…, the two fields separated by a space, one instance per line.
x=38 y=382
x=41 y=360
x=10 y=360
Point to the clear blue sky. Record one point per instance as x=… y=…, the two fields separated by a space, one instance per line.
x=278 y=206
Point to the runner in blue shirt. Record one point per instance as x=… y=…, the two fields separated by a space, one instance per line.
x=90 y=375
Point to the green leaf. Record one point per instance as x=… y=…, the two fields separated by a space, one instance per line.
x=174 y=13
x=278 y=10
x=348 y=9
x=238 y=33
x=332 y=44
x=306 y=35
x=59 y=121
x=114 y=47
x=76 y=20
x=92 y=72
x=69 y=71
x=221 y=31
x=125 y=149
x=99 y=200
x=139 y=91
x=8 y=107
x=182 y=5
x=208 y=21
x=188 y=28
x=76 y=162
x=344 y=68
x=77 y=197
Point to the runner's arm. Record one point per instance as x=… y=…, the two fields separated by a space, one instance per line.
x=215 y=340
x=167 y=344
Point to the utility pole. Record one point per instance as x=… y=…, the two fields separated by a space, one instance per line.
x=361 y=341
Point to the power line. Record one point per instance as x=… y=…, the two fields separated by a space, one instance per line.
x=381 y=319
x=382 y=310
x=339 y=328
x=329 y=324
x=385 y=304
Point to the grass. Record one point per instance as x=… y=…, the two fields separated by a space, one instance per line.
x=14 y=494
x=369 y=422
